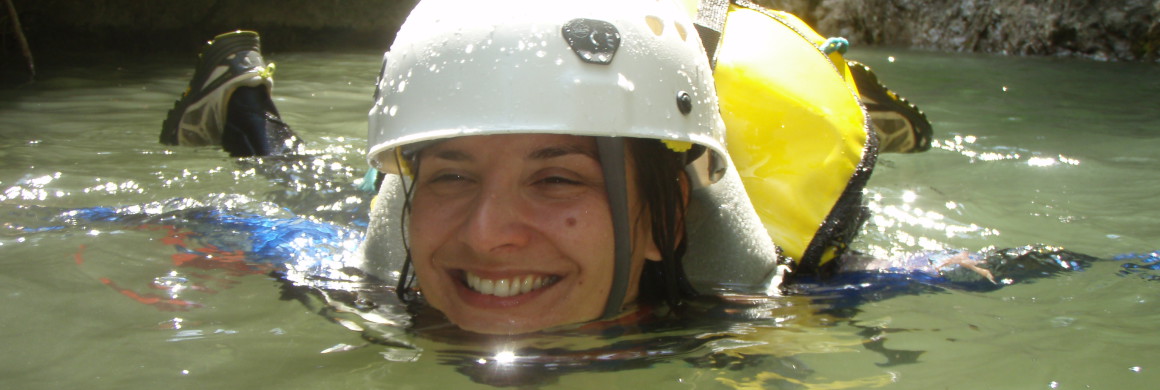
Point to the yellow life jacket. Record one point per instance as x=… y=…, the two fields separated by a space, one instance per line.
x=796 y=130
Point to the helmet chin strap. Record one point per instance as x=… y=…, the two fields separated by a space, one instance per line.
x=611 y=152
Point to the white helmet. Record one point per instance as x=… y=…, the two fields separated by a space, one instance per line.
x=611 y=68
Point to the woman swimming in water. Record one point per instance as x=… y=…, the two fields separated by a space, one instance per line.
x=541 y=170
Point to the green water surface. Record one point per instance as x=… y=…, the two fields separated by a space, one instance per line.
x=1027 y=150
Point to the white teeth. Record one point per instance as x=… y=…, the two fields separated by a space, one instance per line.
x=507 y=287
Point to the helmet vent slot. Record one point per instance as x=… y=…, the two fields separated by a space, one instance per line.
x=681 y=31
x=655 y=24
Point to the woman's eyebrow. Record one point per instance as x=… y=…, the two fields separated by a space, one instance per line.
x=451 y=155
x=560 y=150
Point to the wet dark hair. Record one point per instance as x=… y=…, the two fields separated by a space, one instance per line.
x=659 y=175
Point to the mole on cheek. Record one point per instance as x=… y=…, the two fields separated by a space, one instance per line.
x=571 y=222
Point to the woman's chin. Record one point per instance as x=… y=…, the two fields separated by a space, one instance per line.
x=504 y=329
x=529 y=312
x=493 y=323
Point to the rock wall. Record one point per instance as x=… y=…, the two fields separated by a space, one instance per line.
x=1122 y=30
x=130 y=25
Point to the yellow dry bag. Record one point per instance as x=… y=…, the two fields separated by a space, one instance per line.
x=796 y=130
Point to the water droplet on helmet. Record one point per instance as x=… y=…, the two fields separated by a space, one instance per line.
x=625 y=83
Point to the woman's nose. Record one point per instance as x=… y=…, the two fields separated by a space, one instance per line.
x=495 y=223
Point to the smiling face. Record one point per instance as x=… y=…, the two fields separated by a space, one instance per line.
x=513 y=234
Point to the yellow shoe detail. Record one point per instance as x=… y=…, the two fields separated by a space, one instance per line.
x=267 y=72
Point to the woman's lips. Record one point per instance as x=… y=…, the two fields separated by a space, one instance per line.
x=508 y=287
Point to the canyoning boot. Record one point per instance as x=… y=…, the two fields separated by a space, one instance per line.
x=901 y=127
x=228 y=102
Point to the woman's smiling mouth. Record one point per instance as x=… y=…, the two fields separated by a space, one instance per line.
x=507 y=287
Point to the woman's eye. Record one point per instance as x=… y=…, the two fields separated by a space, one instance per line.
x=560 y=187
x=558 y=180
x=447 y=182
x=447 y=178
